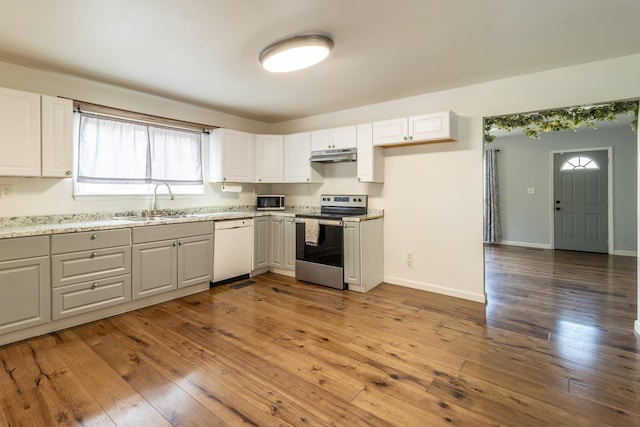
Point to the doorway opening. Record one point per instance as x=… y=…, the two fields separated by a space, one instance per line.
x=529 y=283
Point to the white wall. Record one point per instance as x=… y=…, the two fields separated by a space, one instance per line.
x=44 y=196
x=432 y=194
x=525 y=163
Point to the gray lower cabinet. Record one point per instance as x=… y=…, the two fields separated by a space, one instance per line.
x=25 y=292
x=289 y=243
x=363 y=254
x=89 y=271
x=352 y=252
x=276 y=234
x=274 y=243
x=183 y=257
x=195 y=258
x=154 y=268
x=261 y=242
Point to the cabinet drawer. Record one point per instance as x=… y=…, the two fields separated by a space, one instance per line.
x=88 y=296
x=83 y=266
x=24 y=247
x=72 y=242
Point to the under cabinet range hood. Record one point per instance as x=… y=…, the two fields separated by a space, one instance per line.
x=334 y=156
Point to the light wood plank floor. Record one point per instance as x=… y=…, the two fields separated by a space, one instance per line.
x=550 y=348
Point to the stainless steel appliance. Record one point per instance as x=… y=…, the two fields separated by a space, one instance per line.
x=270 y=202
x=321 y=260
x=335 y=155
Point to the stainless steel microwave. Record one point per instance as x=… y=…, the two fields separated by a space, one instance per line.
x=270 y=202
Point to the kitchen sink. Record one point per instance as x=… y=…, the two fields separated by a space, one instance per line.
x=155 y=218
x=140 y=218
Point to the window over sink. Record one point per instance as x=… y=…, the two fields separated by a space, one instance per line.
x=121 y=156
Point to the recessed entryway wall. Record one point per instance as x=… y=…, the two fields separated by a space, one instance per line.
x=525 y=183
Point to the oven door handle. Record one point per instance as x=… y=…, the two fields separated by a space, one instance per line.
x=334 y=222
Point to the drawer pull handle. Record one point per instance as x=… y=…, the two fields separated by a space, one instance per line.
x=94 y=236
x=94 y=254
x=94 y=285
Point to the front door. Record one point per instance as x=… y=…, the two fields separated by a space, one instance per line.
x=581 y=201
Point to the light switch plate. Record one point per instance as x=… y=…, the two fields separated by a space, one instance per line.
x=531 y=190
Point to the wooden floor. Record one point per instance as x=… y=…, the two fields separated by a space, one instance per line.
x=554 y=346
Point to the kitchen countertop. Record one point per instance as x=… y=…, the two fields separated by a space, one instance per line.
x=57 y=224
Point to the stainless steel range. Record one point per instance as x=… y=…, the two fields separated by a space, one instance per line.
x=319 y=239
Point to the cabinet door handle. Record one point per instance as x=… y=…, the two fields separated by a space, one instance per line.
x=94 y=254
x=94 y=285
x=179 y=242
x=68 y=173
x=94 y=236
x=175 y=244
x=410 y=138
x=404 y=138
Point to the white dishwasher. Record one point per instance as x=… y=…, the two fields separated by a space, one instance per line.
x=233 y=248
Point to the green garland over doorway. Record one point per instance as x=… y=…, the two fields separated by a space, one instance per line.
x=534 y=124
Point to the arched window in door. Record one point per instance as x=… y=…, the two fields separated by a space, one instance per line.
x=580 y=163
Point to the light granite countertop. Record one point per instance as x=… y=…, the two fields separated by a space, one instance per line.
x=57 y=224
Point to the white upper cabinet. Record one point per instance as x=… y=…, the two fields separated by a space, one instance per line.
x=370 y=166
x=36 y=134
x=19 y=133
x=297 y=167
x=231 y=156
x=438 y=127
x=330 y=139
x=57 y=137
x=269 y=158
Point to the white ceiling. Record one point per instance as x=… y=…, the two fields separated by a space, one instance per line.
x=205 y=52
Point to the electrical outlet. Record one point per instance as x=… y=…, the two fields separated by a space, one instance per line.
x=6 y=191
x=410 y=259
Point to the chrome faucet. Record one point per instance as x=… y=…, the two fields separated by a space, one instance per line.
x=154 y=212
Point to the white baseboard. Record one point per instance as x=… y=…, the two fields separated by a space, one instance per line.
x=625 y=253
x=548 y=246
x=436 y=289
x=637 y=325
x=526 y=244
x=289 y=273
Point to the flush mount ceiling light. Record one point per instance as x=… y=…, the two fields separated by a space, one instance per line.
x=295 y=53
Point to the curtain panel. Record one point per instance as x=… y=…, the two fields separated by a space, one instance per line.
x=492 y=229
x=117 y=151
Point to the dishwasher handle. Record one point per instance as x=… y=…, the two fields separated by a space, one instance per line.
x=233 y=224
